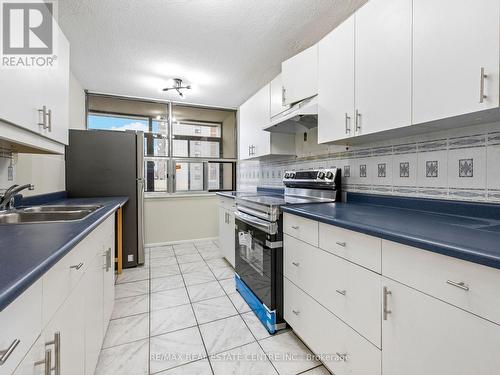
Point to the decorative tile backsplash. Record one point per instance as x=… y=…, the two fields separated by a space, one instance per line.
x=460 y=164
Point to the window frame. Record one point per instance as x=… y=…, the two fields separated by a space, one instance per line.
x=170 y=159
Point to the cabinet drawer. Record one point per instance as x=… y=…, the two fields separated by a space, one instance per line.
x=227 y=203
x=21 y=320
x=353 y=246
x=349 y=291
x=344 y=351
x=301 y=228
x=441 y=276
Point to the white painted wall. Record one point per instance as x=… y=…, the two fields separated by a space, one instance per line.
x=46 y=172
x=168 y=219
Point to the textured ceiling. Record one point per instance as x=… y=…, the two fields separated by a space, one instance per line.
x=227 y=49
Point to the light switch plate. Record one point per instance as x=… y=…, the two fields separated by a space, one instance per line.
x=130 y=258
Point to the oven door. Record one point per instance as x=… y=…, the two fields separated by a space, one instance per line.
x=259 y=259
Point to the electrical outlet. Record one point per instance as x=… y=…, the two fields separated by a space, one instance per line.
x=130 y=258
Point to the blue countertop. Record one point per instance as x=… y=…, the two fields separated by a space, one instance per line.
x=468 y=231
x=27 y=251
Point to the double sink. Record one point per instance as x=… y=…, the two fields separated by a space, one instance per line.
x=45 y=214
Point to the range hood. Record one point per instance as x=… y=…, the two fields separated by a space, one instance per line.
x=301 y=117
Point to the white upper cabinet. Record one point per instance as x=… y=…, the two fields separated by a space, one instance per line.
x=277 y=96
x=453 y=41
x=300 y=76
x=383 y=66
x=336 y=83
x=25 y=92
x=254 y=114
x=254 y=142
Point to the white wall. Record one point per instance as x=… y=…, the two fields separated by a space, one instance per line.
x=168 y=219
x=46 y=172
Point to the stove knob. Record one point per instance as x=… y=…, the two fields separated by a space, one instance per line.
x=287 y=175
x=292 y=174
x=321 y=175
x=329 y=175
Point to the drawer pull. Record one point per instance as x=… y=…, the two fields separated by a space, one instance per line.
x=46 y=362
x=342 y=357
x=295 y=227
x=343 y=244
x=387 y=292
x=343 y=292
x=78 y=266
x=296 y=312
x=460 y=285
x=296 y=264
x=5 y=354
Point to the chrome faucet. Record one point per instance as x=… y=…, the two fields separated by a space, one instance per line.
x=7 y=199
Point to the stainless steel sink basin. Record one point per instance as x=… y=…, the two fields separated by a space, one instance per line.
x=47 y=214
x=61 y=208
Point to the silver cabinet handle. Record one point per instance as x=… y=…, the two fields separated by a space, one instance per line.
x=5 y=354
x=42 y=117
x=460 y=285
x=49 y=120
x=295 y=227
x=77 y=266
x=347 y=124
x=296 y=264
x=108 y=259
x=296 y=312
x=283 y=95
x=482 y=96
x=57 y=352
x=343 y=292
x=358 y=121
x=343 y=244
x=46 y=362
x=386 y=312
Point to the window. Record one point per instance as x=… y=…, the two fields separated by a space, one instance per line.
x=193 y=151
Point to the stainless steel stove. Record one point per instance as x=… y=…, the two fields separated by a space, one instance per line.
x=259 y=239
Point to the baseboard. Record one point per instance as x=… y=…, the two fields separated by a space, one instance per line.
x=156 y=244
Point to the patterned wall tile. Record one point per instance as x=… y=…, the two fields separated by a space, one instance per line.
x=362 y=170
x=347 y=171
x=382 y=170
x=404 y=169
x=466 y=168
x=431 y=168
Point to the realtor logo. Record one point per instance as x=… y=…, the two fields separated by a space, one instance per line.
x=27 y=33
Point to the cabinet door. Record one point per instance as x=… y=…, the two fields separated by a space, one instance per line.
x=383 y=65
x=24 y=91
x=336 y=84
x=108 y=280
x=255 y=114
x=230 y=239
x=69 y=323
x=222 y=230
x=423 y=335
x=452 y=42
x=94 y=314
x=277 y=96
x=300 y=75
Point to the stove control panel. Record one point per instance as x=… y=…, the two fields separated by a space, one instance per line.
x=312 y=178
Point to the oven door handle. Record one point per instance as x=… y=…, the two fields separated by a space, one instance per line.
x=265 y=226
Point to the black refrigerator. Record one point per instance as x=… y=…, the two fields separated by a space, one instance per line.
x=106 y=163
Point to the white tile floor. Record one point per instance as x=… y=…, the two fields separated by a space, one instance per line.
x=181 y=314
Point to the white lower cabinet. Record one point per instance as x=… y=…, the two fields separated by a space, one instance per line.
x=64 y=324
x=340 y=348
x=226 y=229
x=425 y=313
x=423 y=335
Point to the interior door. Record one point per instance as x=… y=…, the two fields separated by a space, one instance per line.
x=383 y=65
x=423 y=335
x=452 y=42
x=336 y=83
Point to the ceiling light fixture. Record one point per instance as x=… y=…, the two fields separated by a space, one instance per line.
x=177 y=86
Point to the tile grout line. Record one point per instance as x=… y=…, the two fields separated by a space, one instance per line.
x=194 y=314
